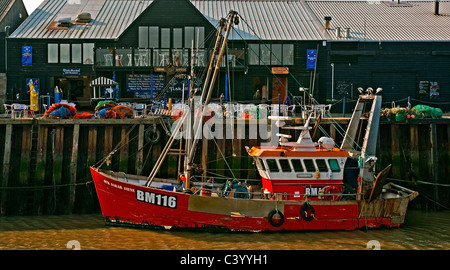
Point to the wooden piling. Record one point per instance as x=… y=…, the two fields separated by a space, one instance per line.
x=140 y=150
x=66 y=148
x=6 y=168
x=73 y=166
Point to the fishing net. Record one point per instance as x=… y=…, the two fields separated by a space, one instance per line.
x=105 y=104
x=60 y=110
x=83 y=115
x=123 y=112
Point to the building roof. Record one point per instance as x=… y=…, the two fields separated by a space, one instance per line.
x=369 y=20
x=384 y=21
x=109 y=19
x=264 y=19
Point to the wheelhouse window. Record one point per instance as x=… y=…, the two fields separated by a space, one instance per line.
x=297 y=165
x=272 y=165
x=321 y=165
x=285 y=166
x=334 y=165
x=309 y=165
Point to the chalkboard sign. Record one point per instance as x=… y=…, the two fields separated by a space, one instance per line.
x=143 y=83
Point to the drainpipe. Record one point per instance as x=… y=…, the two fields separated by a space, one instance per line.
x=6 y=47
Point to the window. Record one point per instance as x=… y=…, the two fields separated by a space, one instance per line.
x=277 y=52
x=76 y=53
x=165 y=38
x=271 y=54
x=104 y=57
x=64 y=53
x=297 y=165
x=288 y=54
x=199 y=37
x=321 y=165
x=272 y=165
x=124 y=57
x=52 y=53
x=188 y=36
x=143 y=37
x=178 y=38
x=153 y=36
x=142 y=57
x=334 y=166
x=67 y=53
x=253 y=54
x=264 y=56
x=285 y=166
x=309 y=164
x=258 y=164
x=88 y=53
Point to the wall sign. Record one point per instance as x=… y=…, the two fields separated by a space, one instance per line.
x=71 y=71
x=311 y=58
x=143 y=83
x=27 y=55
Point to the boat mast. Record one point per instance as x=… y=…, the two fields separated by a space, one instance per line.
x=192 y=142
x=192 y=147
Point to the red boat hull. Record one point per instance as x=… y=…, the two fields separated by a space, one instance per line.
x=128 y=204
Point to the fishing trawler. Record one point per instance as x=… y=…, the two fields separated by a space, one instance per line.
x=304 y=185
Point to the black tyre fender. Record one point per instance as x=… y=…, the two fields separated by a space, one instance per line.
x=303 y=212
x=152 y=135
x=271 y=221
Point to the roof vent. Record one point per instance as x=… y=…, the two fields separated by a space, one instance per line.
x=347 y=32
x=436 y=7
x=327 y=22
x=84 y=17
x=64 y=22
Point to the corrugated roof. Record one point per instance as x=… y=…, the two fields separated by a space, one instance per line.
x=385 y=21
x=4 y=7
x=264 y=19
x=109 y=19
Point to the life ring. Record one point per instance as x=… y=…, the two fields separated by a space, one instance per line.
x=304 y=212
x=271 y=214
x=152 y=135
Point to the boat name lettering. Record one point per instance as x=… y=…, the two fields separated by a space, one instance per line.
x=156 y=199
x=313 y=191
x=118 y=186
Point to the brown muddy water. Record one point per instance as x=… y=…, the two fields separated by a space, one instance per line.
x=422 y=231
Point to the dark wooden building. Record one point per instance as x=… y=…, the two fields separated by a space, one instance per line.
x=136 y=43
x=146 y=47
x=12 y=14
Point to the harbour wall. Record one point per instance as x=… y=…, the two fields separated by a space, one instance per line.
x=46 y=161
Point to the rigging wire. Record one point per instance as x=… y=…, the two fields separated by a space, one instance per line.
x=336 y=125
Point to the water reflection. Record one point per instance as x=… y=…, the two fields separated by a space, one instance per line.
x=422 y=230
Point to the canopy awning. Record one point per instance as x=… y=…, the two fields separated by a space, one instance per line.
x=102 y=81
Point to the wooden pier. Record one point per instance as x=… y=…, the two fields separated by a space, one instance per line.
x=46 y=161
